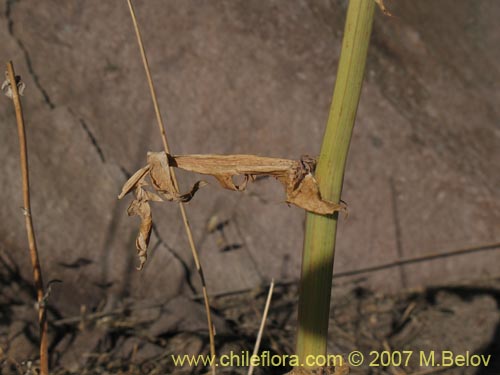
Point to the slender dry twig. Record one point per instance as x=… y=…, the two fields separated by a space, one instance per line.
x=37 y=272
x=262 y=325
x=421 y=258
x=189 y=233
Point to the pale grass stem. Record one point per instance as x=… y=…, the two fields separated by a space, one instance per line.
x=262 y=325
x=187 y=227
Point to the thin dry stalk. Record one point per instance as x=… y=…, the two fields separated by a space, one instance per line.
x=189 y=233
x=262 y=325
x=37 y=272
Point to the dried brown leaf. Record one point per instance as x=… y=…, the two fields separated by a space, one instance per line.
x=132 y=181
x=160 y=175
x=234 y=165
x=161 y=180
x=142 y=209
x=296 y=177
x=308 y=196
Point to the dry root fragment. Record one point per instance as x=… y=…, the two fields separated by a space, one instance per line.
x=296 y=177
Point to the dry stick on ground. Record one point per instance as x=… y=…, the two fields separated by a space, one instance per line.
x=262 y=325
x=37 y=272
x=181 y=205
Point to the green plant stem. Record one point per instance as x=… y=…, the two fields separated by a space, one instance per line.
x=319 y=242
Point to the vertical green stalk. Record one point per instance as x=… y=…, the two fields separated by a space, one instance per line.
x=319 y=242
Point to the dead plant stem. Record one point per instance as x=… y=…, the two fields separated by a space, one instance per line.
x=189 y=233
x=35 y=261
x=262 y=325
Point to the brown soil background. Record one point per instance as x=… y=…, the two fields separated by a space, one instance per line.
x=249 y=77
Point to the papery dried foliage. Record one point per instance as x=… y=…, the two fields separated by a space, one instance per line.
x=296 y=177
x=161 y=180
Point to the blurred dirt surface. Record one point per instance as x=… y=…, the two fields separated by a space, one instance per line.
x=140 y=337
x=248 y=77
